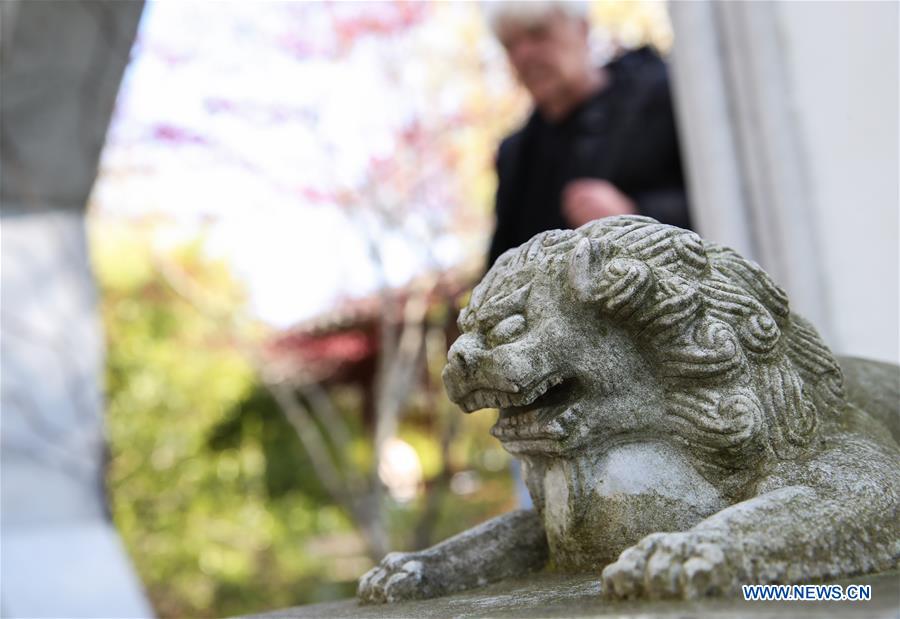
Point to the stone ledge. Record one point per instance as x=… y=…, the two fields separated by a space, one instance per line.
x=553 y=595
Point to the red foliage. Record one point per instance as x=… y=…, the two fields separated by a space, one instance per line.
x=380 y=20
x=177 y=135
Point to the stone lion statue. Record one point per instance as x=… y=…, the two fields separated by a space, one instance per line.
x=681 y=431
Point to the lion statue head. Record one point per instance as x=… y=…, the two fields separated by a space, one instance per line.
x=625 y=327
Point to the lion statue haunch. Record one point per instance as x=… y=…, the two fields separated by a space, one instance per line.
x=681 y=431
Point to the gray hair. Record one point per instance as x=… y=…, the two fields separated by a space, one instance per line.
x=532 y=12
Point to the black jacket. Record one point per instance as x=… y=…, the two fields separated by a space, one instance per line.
x=625 y=134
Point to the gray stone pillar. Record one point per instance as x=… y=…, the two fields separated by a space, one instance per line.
x=62 y=63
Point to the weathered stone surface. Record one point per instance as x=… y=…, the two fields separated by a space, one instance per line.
x=557 y=595
x=680 y=428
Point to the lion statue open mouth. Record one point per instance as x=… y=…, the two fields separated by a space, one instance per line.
x=679 y=427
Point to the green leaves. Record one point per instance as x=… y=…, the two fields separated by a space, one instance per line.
x=219 y=505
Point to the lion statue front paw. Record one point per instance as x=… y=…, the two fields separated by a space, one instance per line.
x=670 y=565
x=399 y=576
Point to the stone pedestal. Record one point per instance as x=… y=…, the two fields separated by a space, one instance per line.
x=553 y=595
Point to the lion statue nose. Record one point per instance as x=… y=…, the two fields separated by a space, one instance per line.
x=462 y=362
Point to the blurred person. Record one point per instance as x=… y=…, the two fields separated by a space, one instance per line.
x=601 y=141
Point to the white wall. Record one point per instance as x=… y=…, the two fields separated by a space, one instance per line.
x=842 y=61
x=789 y=120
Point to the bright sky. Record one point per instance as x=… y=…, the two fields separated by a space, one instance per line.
x=243 y=119
x=253 y=121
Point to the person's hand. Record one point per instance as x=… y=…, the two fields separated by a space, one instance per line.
x=587 y=199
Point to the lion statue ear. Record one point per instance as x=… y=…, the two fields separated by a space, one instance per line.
x=586 y=266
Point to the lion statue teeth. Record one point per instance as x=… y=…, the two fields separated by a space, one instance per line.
x=681 y=431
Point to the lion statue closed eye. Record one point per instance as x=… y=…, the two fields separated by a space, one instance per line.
x=681 y=431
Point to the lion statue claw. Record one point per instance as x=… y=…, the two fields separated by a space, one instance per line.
x=681 y=431
x=400 y=575
x=665 y=565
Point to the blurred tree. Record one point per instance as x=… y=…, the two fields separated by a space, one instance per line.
x=220 y=504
